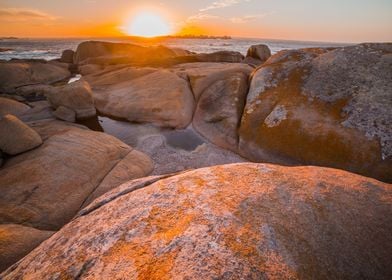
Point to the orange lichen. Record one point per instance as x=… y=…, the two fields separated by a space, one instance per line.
x=312 y=133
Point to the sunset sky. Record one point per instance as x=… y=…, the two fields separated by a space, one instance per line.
x=316 y=20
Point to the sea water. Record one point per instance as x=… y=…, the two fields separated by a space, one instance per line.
x=52 y=48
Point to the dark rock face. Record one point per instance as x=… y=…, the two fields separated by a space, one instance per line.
x=241 y=221
x=67 y=56
x=328 y=107
x=258 y=54
x=15 y=74
x=220 y=90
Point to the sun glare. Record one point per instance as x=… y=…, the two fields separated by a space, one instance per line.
x=147 y=24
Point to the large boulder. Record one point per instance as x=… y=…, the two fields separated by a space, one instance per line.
x=59 y=176
x=67 y=56
x=96 y=52
x=220 y=56
x=220 y=90
x=76 y=96
x=9 y=106
x=15 y=74
x=329 y=107
x=16 y=136
x=240 y=221
x=145 y=95
x=16 y=241
x=258 y=54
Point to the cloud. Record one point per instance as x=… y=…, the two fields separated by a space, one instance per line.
x=12 y=14
x=248 y=18
x=200 y=17
x=222 y=4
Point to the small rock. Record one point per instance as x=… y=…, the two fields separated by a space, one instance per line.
x=65 y=114
x=260 y=52
x=67 y=56
x=16 y=136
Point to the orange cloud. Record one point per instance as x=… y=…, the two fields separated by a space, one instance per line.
x=12 y=14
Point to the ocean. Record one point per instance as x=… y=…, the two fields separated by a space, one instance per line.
x=52 y=48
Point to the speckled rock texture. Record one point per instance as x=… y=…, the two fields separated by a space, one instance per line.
x=329 y=107
x=16 y=241
x=240 y=221
x=145 y=95
x=14 y=74
x=76 y=96
x=13 y=107
x=46 y=187
x=16 y=137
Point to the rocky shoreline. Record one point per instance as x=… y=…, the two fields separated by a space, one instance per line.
x=88 y=193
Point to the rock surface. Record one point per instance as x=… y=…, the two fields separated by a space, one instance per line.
x=16 y=241
x=60 y=175
x=259 y=52
x=221 y=91
x=241 y=221
x=145 y=95
x=9 y=106
x=15 y=74
x=67 y=56
x=220 y=56
x=328 y=107
x=76 y=96
x=16 y=136
x=65 y=114
x=95 y=52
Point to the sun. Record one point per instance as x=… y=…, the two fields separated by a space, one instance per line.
x=147 y=24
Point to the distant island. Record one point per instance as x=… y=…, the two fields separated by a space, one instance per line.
x=190 y=36
x=9 y=38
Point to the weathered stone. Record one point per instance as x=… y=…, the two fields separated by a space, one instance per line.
x=16 y=241
x=40 y=110
x=241 y=221
x=146 y=95
x=134 y=165
x=220 y=56
x=65 y=114
x=76 y=96
x=67 y=56
x=88 y=69
x=9 y=106
x=60 y=175
x=328 y=107
x=221 y=91
x=95 y=52
x=15 y=74
x=16 y=136
x=260 y=52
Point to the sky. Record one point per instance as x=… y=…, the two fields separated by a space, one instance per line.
x=312 y=20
